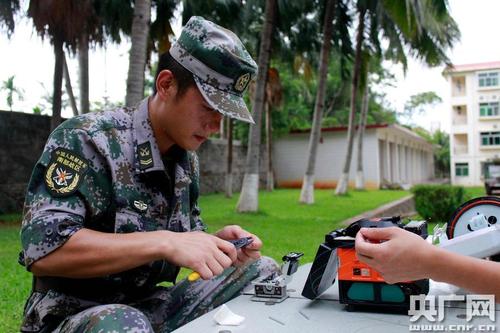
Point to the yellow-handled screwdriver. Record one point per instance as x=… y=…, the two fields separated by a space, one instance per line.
x=238 y=243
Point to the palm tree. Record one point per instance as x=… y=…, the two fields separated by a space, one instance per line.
x=274 y=94
x=8 y=9
x=248 y=200
x=360 y=180
x=69 y=89
x=107 y=21
x=229 y=169
x=307 y=193
x=137 y=62
x=343 y=181
x=10 y=88
x=63 y=22
x=425 y=28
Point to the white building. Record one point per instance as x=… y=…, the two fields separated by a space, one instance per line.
x=391 y=154
x=475 y=120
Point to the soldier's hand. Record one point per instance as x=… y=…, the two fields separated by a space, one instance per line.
x=203 y=253
x=249 y=252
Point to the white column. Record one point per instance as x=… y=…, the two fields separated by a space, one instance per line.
x=397 y=176
x=389 y=162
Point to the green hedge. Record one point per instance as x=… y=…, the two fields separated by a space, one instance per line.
x=436 y=203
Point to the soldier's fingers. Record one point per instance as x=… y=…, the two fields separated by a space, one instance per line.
x=215 y=266
x=205 y=272
x=224 y=260
x=254 y=254
x=228 y=248
x=256 y=243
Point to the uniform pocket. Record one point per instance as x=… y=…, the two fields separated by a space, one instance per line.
x=128 y=221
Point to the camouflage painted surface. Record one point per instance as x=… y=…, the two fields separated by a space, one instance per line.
x=168 y=308
x=121 y=191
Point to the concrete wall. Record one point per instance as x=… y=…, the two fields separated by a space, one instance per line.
x=385 y=157
x=290 y=156
x=23 y=136
x=213 y=165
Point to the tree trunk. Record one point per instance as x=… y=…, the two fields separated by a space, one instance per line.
x=137 y=59
x=69 y=89
x=344 y=178
x=269 y=136
x=307 y=192
x=58 y=76
x=83 y=66
x=360 y=180
x=229 y=173
x=248 y=200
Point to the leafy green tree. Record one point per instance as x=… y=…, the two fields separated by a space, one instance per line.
x=423 y=29
x=441 y=143
x=12 y=91
x=418 y=104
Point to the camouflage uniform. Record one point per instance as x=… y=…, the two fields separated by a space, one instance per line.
x=104 y=171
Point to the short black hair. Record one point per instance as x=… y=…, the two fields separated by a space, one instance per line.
x=183 y=77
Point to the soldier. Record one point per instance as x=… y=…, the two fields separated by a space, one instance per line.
x=111 y=208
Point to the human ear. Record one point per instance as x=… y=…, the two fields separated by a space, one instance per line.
x=166 y=85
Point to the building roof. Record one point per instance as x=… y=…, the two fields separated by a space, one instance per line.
x=374 y=126
x=337 y=128
x=472 y=67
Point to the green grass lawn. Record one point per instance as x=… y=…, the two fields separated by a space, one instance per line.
x=282 y=224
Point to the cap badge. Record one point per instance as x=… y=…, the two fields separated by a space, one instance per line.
x=242 y=82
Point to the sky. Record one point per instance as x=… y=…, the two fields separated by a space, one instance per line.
x=30 y=60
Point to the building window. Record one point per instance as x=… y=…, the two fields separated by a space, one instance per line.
x=461 y=169
x=488 y=109
x=490 y=138
x=488 y=79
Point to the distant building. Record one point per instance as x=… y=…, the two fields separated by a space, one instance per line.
x=475 y=120
x=391 y=154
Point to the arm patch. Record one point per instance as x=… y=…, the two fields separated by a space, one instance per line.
x=64 y=173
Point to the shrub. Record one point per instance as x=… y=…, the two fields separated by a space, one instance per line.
x=438 y=202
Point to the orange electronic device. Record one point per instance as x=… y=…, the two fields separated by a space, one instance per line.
x=359 y=284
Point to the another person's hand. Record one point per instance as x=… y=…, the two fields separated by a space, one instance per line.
x=397 y=254
x=249 y=252
x=202 y=252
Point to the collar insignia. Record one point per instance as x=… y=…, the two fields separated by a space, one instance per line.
x=140 y=205
x=145 y=156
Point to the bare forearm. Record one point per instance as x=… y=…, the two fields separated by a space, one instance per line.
x=90 y=253
x=476 y=275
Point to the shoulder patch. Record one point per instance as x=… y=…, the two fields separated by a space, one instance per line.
x=65 y=172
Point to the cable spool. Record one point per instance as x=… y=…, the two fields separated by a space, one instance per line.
x=473 y=215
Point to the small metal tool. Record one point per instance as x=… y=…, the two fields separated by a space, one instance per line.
x=238 y=244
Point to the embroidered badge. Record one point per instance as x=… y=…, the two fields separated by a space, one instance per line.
x=145 y=156
x=242 y=82
x=65 y=172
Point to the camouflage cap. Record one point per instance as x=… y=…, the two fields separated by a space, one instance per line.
x=221 y=66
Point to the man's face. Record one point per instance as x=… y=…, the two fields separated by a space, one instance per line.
x=192 y=121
